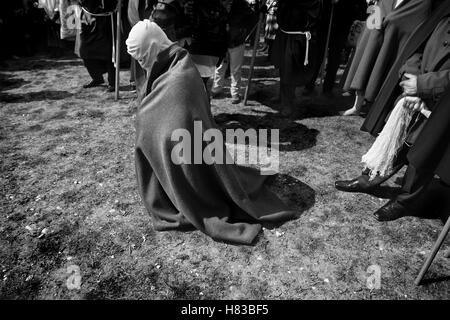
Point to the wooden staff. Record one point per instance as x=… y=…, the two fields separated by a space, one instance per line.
x=437 y=245
x=252 y=63
x=118 y=32
x=322 y=68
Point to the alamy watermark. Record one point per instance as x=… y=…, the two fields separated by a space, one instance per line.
x=374 y=20
x=373 y=280
x=207 y=147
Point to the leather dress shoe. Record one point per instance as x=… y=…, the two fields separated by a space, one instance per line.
x=360 y=184
x=93 y=83
x=390 y=211
x=111 y=89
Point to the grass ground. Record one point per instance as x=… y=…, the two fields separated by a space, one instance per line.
x=68 y=197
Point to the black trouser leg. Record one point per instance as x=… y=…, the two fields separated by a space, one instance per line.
x=413 y=188
x=338 y=37
x=205 y=83
x=287 y=96
x=334 y=60
x=424 y=195
x=95 y=68
x=111 y=73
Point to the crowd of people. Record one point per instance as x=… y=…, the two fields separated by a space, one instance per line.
x=398 y=72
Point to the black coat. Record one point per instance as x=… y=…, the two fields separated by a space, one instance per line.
x=431 y=151
x=289 y=50
x=241 y=20
x=390 y=90
x=96 y=39
x=209 y=28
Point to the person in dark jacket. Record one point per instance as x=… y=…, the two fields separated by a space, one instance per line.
x=97 y=42
x=241 y=19
x=295 y=47
x=423 y=79
x=344 y=13
x=208 y=42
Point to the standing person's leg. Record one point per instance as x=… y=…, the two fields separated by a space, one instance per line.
x=133 y=73
x=409 y=201
x=357 y=105
x=111 y=70
x=236 y=56
x=287 y=92
x=322 y=33
x=219 y=76
x=337 y=43
x=95 y=69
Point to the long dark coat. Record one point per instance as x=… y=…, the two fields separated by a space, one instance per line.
x=378 y=49
x=390 y=90
x=289 y=50
x=431 y=151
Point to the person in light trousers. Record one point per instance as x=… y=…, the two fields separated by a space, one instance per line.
x=241 y=20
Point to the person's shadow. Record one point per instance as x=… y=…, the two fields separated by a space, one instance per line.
x=34 y=96
x=296 y=194
x=292 y=136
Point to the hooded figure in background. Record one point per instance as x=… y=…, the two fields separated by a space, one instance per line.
x=295 y=50
x=225 y=201
x=96 y=42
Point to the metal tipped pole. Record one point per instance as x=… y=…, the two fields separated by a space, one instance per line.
x=322 y=68
x=252 y=63
x=118 y=31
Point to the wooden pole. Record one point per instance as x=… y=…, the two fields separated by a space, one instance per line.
x=437 y=245
x=252 y=63
x=325 y=55
x=118 y=32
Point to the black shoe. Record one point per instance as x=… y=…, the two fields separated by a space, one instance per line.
x=111 y=89
x=360 y=184
x=287 y=111
x=236 y=99
x=328 y=94
x=308 y=91
x=93 y=83
x=390 y=211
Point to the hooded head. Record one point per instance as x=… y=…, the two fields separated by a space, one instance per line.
x=145 y=41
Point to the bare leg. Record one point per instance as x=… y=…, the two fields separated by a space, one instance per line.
x=356 y=109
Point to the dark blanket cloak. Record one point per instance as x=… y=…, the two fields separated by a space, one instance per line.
x=288 y=53
x=378 y=48
x=390 y=89
x=227 y=202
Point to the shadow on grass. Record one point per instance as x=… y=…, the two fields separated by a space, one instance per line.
x=35 y=96
x=297 y=195
x=293 y=136
x=385 y=192
x=42 y=63
x=8 y=82
x=435 y=280
x=305 y=107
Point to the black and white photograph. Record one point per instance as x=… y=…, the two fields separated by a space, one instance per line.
x=223 y=155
